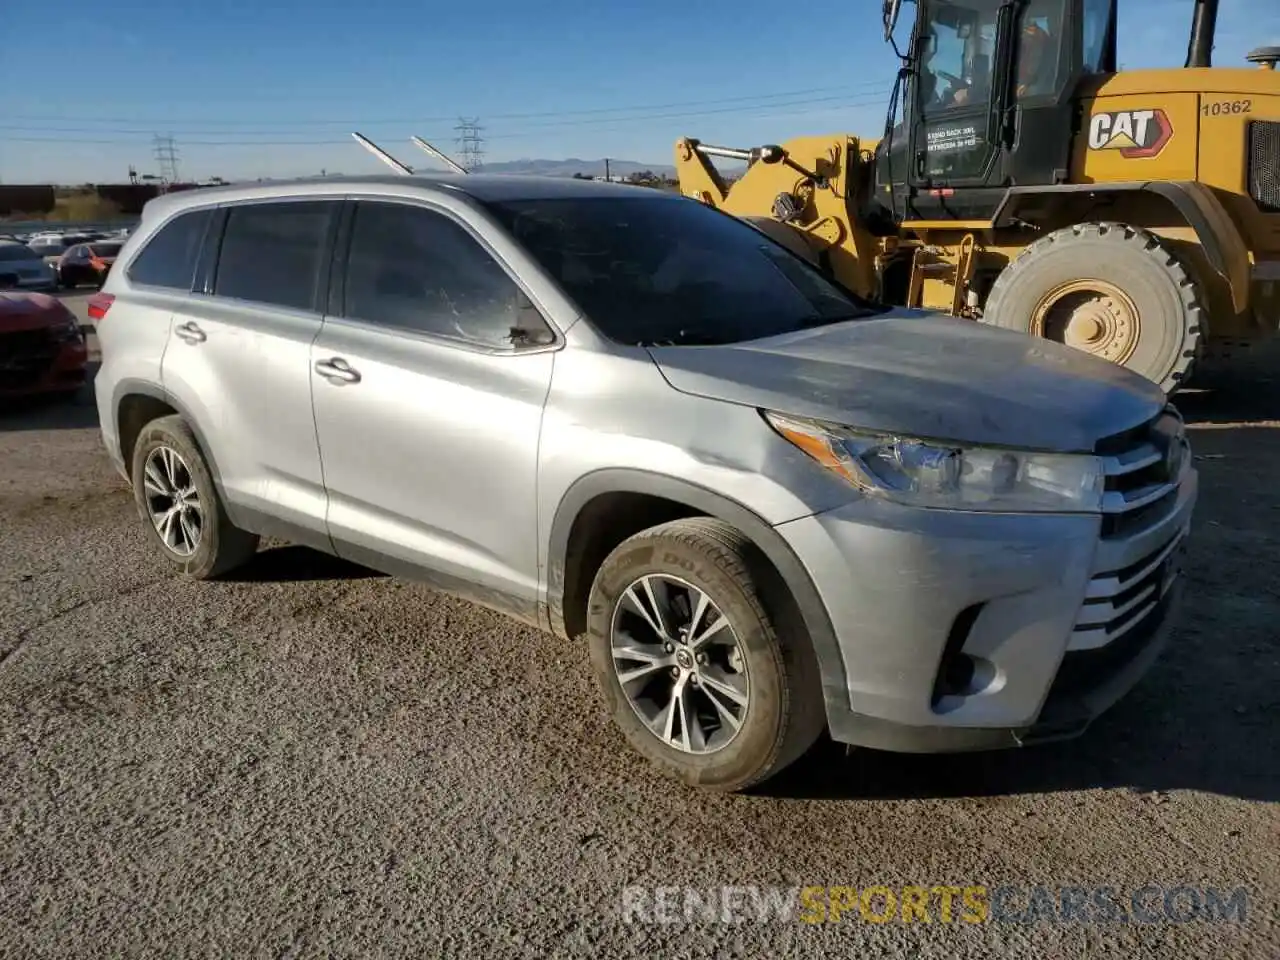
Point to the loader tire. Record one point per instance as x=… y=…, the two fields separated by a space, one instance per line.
x=1110 y=289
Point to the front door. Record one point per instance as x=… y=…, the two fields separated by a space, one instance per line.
x=428 y=414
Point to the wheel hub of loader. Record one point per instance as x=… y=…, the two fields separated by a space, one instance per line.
x=1091 y=315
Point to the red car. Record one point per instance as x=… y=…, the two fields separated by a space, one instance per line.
x=87 y=262
x=42 y=350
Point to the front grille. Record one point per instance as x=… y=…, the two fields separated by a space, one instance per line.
x=1143 y=467
x=25 y=356
x=1264 y=164
x=1118 y=601
x=1084 y=669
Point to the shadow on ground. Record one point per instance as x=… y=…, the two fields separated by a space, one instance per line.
x=295 y=564
x=77 y=411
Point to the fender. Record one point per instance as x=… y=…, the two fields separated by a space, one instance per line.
x=821 y=634
x=128 y=387
x=1199 y=206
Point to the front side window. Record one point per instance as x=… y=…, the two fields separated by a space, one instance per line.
x=169 y=258
x=663 y=270
x=272 y=252
x=421 y=271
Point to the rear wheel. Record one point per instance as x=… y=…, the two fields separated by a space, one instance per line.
x=178 y=502
x=697 y=674
x=1112 y=290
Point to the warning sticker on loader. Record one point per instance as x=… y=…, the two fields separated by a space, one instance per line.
x=1137 y=134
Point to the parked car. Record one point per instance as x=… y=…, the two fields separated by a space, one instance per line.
x=22 y=268
x=51 y=248
x=761 y=505
x=87 y=263
x=42 y=350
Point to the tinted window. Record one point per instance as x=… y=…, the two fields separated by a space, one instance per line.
x=16 y=251
x=1097 y=17
x=106 y=249
x=272 y=252
x=666 y=270
x=419 y=270
x=169 y=258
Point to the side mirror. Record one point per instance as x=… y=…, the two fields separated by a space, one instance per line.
x=891 y=10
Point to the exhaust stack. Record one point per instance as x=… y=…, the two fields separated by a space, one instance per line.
x=1204 y=23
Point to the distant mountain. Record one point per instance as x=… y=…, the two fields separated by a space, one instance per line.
x=567 y=168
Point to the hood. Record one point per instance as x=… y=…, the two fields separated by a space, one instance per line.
x=25 y=311
x=927 y=376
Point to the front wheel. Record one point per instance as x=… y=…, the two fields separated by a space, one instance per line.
x=1109 y=289
x=697 y=674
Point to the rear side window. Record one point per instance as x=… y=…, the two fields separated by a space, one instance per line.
x=169 y=258
x=272 y=252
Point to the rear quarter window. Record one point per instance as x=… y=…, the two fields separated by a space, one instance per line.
x=169 y=258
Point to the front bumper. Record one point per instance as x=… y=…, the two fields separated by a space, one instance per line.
x=40 y=368
x=1053 y=618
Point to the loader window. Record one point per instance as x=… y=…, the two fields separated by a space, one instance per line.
x=1041 y=47
x=959 y=44
x=1097 y=16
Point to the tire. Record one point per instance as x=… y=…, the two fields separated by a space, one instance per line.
x=219 y=546
x=784 y=711
x=1166 y=299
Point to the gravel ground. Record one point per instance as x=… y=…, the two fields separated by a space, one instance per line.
x=314 y=760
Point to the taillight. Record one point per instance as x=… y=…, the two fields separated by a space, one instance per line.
x=99 y=304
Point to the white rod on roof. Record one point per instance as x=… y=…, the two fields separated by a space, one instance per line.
x=382 y=155
x=439 y=155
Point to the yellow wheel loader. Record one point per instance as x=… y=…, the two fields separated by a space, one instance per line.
x=1026 y=183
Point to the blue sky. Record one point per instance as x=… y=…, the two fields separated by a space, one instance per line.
x=231 y=79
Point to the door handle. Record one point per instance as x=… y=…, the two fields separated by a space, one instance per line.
x=190 y=333
x=337 y=371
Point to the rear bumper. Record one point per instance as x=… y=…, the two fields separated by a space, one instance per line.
x=1053 y=621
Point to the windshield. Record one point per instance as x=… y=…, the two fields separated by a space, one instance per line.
x=105 y=249
x=11 y=252
x=49 y=247
x=654 y=270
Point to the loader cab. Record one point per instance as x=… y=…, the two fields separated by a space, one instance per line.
x=988 y=102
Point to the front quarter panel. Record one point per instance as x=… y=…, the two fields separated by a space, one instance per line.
x=610 y=409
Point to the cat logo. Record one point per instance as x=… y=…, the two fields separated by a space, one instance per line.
x=1137 y=134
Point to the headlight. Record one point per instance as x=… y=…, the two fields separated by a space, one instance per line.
x=931 y=473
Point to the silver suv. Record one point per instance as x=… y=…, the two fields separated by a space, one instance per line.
x=765 y=506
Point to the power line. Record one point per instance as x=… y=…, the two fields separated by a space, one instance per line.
x=832 y=101
x=369 y=122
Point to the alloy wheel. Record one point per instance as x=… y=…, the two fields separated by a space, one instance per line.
x=679 y=663
x=173 y=502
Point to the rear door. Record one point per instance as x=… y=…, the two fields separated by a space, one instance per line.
x=428 y=414
x=239 y=361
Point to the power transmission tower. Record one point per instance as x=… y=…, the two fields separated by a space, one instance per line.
x=469 y=141
x=165 y=151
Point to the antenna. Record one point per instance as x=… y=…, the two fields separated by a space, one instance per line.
x=382 y=155
x=439 y=155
